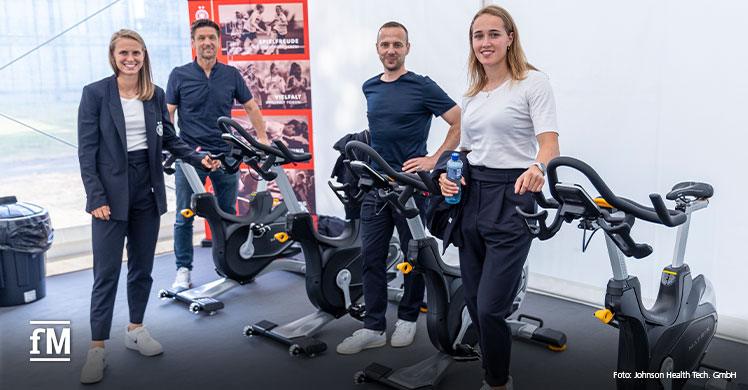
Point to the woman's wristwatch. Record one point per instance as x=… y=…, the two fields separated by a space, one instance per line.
x=540 y=166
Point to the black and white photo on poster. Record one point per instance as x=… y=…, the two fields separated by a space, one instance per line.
x=277 y=84
x=262 y=29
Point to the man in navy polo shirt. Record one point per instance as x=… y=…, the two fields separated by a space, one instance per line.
x=202 y=91
x=400 y=105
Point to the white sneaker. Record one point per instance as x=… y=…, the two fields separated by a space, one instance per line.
x=93 y=370
x=360 y=340
x=404 y=334
x=140 y=340
x=182 y=282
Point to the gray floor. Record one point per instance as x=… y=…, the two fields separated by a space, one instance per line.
x=204 y=352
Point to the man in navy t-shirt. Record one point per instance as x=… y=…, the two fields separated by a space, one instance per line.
x=202 y=91
x=400 y=105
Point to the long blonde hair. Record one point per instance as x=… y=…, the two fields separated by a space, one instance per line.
x=516 y=60
x=145 y=83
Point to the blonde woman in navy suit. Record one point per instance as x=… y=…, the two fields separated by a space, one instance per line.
x=123 y=124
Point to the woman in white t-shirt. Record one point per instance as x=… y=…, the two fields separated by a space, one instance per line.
x=509 y=133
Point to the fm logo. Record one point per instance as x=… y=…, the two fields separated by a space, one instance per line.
x=57 y=344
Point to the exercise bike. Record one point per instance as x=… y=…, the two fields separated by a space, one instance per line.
x=448 y=323
x=673 y=335
x=243 y=247
x=333 y=264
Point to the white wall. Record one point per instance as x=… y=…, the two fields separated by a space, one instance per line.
x=648 y=93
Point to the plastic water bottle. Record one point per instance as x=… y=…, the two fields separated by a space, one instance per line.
x=454 y=174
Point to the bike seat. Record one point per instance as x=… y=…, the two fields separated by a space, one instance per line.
x=206 y=205
x=448 y=269
x=666 y=307
x=660 y=315
x=346 y=238
x=451 y=270
x=691 y=188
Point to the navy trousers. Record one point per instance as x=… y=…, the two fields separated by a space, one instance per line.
x=496 y=244
x=378 y=220
x=141 y=230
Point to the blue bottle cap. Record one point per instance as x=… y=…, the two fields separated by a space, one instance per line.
x=455 y=156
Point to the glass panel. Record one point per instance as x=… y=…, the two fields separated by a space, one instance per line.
x=41 y=78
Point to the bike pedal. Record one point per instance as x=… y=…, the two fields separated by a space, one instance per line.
x=357 y=311
x=465 y=353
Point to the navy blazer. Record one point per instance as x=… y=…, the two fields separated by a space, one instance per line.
x=102 y=147
x=443 y=219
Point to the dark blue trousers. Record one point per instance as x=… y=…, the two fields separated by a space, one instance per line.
x=378 y=220
x=496 y=244
x=108 y=237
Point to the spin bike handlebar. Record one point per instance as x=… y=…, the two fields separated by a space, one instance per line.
x=228 y=167
x=400 y=177
x=659 y=214
x=573 y=203
x=368 y=178
x=257 y=155
x=170 y=159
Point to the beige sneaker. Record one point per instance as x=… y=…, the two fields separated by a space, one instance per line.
x=360 y=340
x=140 y=340
x=93 y=370
x=182 y=281
x=404 y=334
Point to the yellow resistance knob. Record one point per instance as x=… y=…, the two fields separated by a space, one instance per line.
x=187 y=213
x=405 y=267
x=604 y=315
x=281 y=237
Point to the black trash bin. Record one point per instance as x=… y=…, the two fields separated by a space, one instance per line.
x=25 y=236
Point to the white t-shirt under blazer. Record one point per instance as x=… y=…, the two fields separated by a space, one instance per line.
x=134 y=124
x=499 y=127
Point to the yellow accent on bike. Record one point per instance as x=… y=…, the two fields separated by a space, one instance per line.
x=603 y=203
x=670 y=272
x=555 y=348
x=281 y=237
x=405 y=267
x=187 y=213
x=604 y=315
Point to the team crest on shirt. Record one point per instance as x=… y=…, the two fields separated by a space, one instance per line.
x=201 y=13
